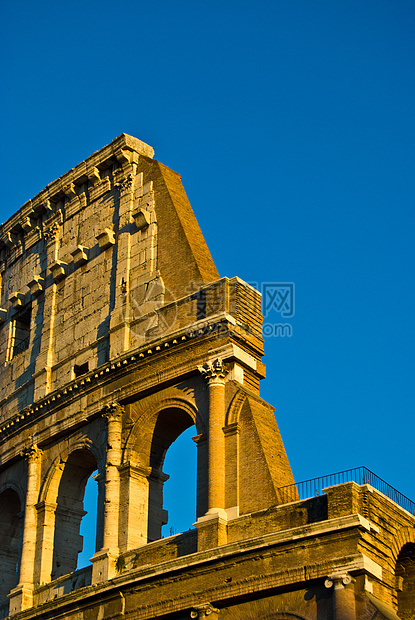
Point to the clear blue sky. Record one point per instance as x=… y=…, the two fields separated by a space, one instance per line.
x=292 y=124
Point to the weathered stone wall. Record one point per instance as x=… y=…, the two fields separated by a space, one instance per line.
x=116 y=335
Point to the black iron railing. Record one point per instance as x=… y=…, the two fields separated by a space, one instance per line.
x=361 y=475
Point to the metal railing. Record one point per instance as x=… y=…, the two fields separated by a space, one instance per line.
x=361 y=475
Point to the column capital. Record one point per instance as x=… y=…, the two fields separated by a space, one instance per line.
x=214 y=370
x=31 y=454
x=201 y=611
x=338 y=580
x=113 y=411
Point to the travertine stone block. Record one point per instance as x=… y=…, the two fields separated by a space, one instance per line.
x=36 y=286
x=27 y=224
x=142 y=218
x=80 y=255
x=10 y=240
x=16 y=299
x=94 y=176
x=106 y=239
x=59 y=270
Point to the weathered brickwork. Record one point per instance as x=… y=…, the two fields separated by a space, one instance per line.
x=116 y=335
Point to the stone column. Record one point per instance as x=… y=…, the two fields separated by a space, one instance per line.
x=344 y=602
x=134 y=481
x=104 y=561
x=215 y=372
x=22 y=596
x=46 y=512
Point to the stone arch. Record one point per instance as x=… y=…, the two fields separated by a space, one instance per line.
x=59 y=518
x=158 y=420
x=11 y=533
x=51 y=481
x=405 y=572
x=68 y=542
x=404 y=536
x=144 y=415
x=11 y=484
x=235 y=408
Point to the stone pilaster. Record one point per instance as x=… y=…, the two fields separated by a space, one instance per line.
x=212 y=526
x=104 y=560
x=134 y=481
x=344 y=602
x=22 y=596
x=46 y=512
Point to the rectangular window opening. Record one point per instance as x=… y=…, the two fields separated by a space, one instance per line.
x=80 y=369
x=21 y=336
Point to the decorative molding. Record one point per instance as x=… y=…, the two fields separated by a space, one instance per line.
x=36 y=286
x=337 y=580
x=214 y=369
x=125 y=183
x=99 y=189
x=201 y=611
x=10 y=240
x=16 y=299
x=32 y=237
x=70 y=191
x=31 y=454
x=80 y=255
x=142 y=219
x=105 y=239
x=59 y=270
x=94 y=176
x=114 y=411
x=27 y=224
x=3 y=315
x=123 y=157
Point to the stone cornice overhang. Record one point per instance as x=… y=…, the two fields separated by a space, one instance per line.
x=220 y=333
x=121 y=149
x=217 y=562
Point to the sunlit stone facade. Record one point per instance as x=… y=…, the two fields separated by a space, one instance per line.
x=116 y=335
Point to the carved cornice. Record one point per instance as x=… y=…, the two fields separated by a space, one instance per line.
x=123 y=150
x=107 y=372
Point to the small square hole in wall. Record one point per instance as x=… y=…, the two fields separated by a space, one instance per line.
x=21 y=331
x=80 y=369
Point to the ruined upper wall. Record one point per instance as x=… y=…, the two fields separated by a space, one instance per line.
x=104 y=246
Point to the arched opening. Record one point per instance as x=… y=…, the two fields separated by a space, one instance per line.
x=171 y=423
x=11 y=532
x=405 y=577
x=179 y=492
x=68 y=541
x=89 y=522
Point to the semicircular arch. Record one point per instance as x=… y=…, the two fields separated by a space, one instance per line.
x=404 y=536
x=14 y=486
x=50 y=486
x=235 y=407
x=145 y=415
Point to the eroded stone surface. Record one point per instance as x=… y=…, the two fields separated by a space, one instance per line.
x=116 y=335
